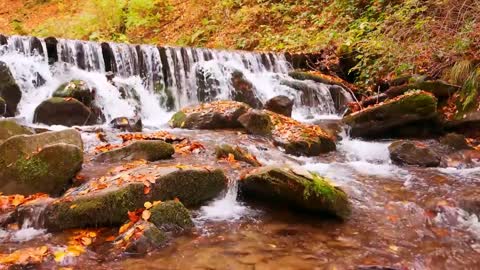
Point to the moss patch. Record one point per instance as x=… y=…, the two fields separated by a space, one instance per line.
x=171 y=215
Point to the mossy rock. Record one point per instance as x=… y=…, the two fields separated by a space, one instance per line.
x=88 y=206
x=49 y=170
x=64 y=111
x=141 y=238
x=171 y=216
x=455 y=142
x=3 y=107
x=281 y=105
x=300 y=189
x=9 y=90
x=240 y=154
x=410 y=153
x=10 y=128
x=147 y=150
x=76 y=89
x=384 y=118
x=213 y=115
x=256 y=122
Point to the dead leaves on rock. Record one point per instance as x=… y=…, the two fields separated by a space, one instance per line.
x=160 y=135
x=12 y=201
x=26 y=256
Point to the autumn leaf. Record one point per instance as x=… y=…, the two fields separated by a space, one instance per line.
x=147 y=205
x=146 y=215
x=146 y=189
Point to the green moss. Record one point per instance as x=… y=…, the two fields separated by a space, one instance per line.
x=178 y=119
x=31 y=168
x=171 y=213
x=320 y=187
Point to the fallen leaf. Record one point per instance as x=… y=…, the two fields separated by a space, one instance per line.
x=146 y=215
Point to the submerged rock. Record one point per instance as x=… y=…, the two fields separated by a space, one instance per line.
x=141 y=238
x=127 y=124
x=214 y=115
x=10 y=128
x=107 y=200
x=44 y=162
x=171 y=216
x=390 y=116
x=9 y=90
x=410 y=153
x=281 y=105
x=76 y=89
x=298 y=188
x=240 y=154
x=148 y=150
x=64 y=111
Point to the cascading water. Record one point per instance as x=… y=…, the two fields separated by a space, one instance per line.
x=149 y=81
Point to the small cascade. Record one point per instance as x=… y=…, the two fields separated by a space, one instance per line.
x=150 y=81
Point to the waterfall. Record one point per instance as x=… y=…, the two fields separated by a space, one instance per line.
x=150 y=81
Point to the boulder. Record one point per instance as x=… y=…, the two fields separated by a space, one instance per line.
x=410 y=153
x=390 y=116
x=148 y=150
x=244 y=91
x=455 y=141
x=76 y=89
x=127 y=124
x=9 y=90
x=40 y=163
x=171 y=216
x=240 y=154
x=10 y=128
x=256 y=122
x=280 y=104
x=141 y=238
x=3 y=107
x=107 y=200
x=63 y=111
x=214 y=115
x=298 y=188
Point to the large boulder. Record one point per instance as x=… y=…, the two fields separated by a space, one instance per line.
x=244 y=91
x=390 y=116
x=280 y=104
x=295 y=137
x=214 y=115
x=411 y=153
x=10 y=128
x=44 y=162
x=76 y=89
x=297 y=188
x=64 y=111
x=9 y=90
x=148 y=150
x=107 y=200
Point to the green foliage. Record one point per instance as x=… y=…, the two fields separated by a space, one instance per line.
x=466 y=74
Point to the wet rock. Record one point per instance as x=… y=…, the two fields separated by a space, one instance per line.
x=281 y=105
x=10 y=128
x=256 y=122
x=244 y=90
x=438 y=88
x=240 y=154
x=106 y=201
x=471 y=204
x=3 y=107
x=298 y=188
x=455 y=141
x=9 y=90
x=214 y=115
x=341 y=98
x=40 y=163
x=466 y=123
x=141 y=238
x=410 y=153
x=127 y=124
x=307 y=89
x=392 y=115
x=64 y=111
x=148 y=150
x=76 y=89
x=171 y=216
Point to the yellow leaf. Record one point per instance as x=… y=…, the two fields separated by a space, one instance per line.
x=147 y=205
x=156 y=203
x=146 y=215
x=59 y=255
x=75 y=250
x=86 y=241
x=73 y=206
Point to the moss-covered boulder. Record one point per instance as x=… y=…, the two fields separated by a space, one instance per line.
x=76 y=89
x=107 y=200
x=256 y=122
x=9 y=90
x=411 y=153
x=10 y=128
x=147 y=150
x=387 y=117
x=40 y=163
x=64 y=111
x=213 y=115
x=298 y=188
x=239 y=153
x=141 y=238
x=280 y=104
x=3 y=107
x=171 y=216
